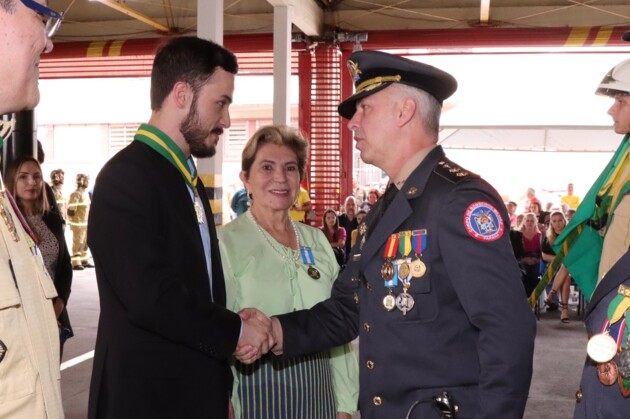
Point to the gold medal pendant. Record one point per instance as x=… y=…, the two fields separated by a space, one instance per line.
x=418 y=268
x=403 y=270
x=313 y=272
x=199 y=212
x=601 y=348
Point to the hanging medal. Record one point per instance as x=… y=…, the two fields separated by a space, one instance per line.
x=389 y=272
x=602 y=347
x=308 y=259
x=198 y=210
x=404 y=248
x=389 y=301
x=404 y=301
x=391 y=247
x=418 y=243
x=607 y=373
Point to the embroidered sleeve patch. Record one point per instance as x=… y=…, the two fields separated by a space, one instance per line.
x=483 y=222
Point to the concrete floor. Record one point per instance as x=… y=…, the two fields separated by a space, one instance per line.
x=558 y=358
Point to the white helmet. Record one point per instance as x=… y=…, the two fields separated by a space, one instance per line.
x=617 y=81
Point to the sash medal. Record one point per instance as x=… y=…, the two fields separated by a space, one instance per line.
x=419 y=243
x=389 y=272
x=168 y=149
x=308 y=259
x=404 y=301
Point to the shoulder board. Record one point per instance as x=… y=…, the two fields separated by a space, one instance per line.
x=453 y=172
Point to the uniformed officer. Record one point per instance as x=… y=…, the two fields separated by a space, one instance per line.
x=56 y=179
x=78 y=211
x=29 y=336
x=432 y=286
x=604 y=237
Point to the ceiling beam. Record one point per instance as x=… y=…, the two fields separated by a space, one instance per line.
x=307 y=16
x=134 y=14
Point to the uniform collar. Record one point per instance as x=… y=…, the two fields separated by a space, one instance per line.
x=412 y=163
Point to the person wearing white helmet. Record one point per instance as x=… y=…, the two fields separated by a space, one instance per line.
x=594 y=249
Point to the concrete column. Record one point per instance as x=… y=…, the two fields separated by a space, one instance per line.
x=282 y=16
x=210 y=26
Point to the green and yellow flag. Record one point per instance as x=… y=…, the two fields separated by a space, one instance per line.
x=579 y=247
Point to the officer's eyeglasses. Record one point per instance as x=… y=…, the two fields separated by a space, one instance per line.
x=52 y=20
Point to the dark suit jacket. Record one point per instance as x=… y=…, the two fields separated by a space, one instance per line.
x=162 y=344
x=471 y=331
x=598 y=400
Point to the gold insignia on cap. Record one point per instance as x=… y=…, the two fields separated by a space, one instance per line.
x=376 y=82
x=354 y=70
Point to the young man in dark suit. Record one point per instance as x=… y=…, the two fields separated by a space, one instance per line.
x=164 y=335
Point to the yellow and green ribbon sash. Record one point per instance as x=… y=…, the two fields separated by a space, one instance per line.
x=164 y=145
x=579 y=247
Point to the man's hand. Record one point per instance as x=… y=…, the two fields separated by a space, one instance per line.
x=276 y=331
x=256 y=339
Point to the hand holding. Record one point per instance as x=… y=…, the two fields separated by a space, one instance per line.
x=256 y=338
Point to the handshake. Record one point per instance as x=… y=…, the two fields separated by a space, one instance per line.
x=260 y=335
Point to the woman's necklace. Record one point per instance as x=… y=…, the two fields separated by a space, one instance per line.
x=295 y=254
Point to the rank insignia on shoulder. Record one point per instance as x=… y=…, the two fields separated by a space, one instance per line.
x=453 y=172
x=3 y=350
x=483 y=222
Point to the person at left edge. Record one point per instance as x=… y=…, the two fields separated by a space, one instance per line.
x=164 y=335
x=29 y=336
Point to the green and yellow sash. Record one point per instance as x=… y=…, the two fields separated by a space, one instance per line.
x=164 y=145
x=579 y=247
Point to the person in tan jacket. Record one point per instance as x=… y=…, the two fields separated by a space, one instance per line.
x=29 y=337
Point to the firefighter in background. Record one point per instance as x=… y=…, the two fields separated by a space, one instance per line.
x=78 y=210
x=56 y=180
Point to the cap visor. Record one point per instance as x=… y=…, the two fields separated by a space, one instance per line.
x=348 y=107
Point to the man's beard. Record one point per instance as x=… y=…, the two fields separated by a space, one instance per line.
x=195 y=136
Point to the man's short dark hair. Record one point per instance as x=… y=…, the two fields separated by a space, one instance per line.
x=189 y=59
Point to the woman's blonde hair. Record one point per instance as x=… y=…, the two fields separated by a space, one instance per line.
x=551 y=233
x=281 y=135
x=530 y=214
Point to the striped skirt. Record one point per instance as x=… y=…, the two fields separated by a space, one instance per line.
x=299 y=388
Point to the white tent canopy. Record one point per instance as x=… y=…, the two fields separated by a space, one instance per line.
x=574 y=139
